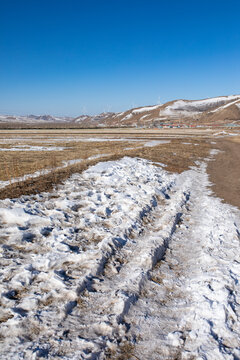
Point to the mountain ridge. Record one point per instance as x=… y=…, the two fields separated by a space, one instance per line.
x=220 y=110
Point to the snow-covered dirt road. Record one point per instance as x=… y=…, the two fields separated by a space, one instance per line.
x=122 y=261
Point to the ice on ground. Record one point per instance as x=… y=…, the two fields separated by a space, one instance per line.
x=95 y=139
x=153 y=143
x=81 y=277
x=98 y=156
x=214 y=152
x=33 y=148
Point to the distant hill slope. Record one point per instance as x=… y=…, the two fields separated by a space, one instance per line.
x=28 y=119
x=212 y=111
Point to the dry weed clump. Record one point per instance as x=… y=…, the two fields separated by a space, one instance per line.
x=123 y=352
x=5 y=317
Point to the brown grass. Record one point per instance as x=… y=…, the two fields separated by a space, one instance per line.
x=31 y=161
x=176 y=155
x=123 y=352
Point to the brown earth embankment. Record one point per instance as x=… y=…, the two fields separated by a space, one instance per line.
x=224 y=172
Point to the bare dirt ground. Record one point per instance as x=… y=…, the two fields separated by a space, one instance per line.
x=224 y=172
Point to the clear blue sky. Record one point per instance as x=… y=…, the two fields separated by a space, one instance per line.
x=68 y=57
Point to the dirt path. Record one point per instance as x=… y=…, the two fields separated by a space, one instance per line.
x=224 y=172
x=188 y=309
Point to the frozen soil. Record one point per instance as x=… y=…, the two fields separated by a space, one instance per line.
x=224 y=172
x=123 y=261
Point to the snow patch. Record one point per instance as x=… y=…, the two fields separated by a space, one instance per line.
x=145 y=109
x=153 y=143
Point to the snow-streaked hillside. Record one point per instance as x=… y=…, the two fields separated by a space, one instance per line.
x=188 y=108
x=218 y=110
x=33 y=119
x=186 y=111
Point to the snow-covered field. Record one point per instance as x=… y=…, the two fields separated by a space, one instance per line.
x=81 y=276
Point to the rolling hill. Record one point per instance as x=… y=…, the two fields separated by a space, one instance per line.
x=216 y=111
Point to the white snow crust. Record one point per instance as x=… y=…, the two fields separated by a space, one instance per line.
x=78 y=267
x=192 y=309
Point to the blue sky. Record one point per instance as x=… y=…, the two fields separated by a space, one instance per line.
x=68 y=57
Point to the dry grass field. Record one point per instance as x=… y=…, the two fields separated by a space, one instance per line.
x=62 y=153
x=51 y=156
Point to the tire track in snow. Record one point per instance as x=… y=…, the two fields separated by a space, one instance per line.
x=191 y=308
x=54 y=245
x=111 y=295
x=77 y=268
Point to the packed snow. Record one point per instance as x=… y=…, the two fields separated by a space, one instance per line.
x=83 y=270
x=191 y=307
